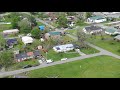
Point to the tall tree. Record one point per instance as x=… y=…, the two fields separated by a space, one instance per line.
x=88 y=14
x=6 y=58
x=81 y=38
x=25 y=26
x=2 y=41
x=62 y=21
x=36 y=32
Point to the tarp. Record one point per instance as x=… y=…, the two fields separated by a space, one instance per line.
x=41 y=27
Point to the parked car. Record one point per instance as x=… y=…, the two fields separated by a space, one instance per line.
x=63 y=59
x=49 y=61
x=27 y=66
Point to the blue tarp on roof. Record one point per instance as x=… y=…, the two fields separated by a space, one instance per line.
x=42 y=27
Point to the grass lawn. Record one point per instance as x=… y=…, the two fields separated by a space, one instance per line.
x=19 y=65
x=5 y=27
x=95 y=67
x=90 y=50
x=39 y=23
x=58 y=56
x=108 y=44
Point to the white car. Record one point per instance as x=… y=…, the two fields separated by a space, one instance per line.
x=49 y=61
x=40 y=61
x=63 y=59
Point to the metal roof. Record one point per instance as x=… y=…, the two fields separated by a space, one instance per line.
x=97 y=17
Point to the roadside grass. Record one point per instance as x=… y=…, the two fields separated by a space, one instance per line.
x=95 y=67
x=58 y=56
x=19 y=65
x=108 y=43
x=89 y=50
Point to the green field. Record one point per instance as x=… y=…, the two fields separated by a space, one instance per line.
x=108 y=44
x=96 y=67
x=89 y=50
x=19 y=65
x=5 y=27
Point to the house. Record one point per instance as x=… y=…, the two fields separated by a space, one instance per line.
x=36 y=53
x=63 y=48
x=30 y=55
x=11 y=42
x=21 y=57
x=27 y=39
x=53 y=34
x=24 y=56
x=112 y=31
x=96 y=19
x=92 y=29
x=11 y=31
x=117 y=37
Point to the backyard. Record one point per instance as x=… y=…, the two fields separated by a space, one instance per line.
x=5 y=27
x=95 y=67
x=58 y=56
x=108 y=43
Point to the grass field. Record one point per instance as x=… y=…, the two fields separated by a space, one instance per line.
x=96 y=67
x=108 y=44
x=19 y=65
x=5 y=27
x=90 y=50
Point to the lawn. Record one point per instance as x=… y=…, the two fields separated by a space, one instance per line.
x=39 y=23
x=19 y=65
x=108 y=44
x=90 y=50
x=95 y=67
x=5 y=27
x=58 y=56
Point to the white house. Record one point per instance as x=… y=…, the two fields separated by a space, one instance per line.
x=112 y=31
x=92 y=29
x=27 y=40
x=63 y=48
x=96 y=19
x=11 y=31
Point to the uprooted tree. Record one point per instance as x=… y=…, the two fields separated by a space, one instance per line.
x=81 y=38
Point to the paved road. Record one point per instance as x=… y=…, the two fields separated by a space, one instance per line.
x=4 y=74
